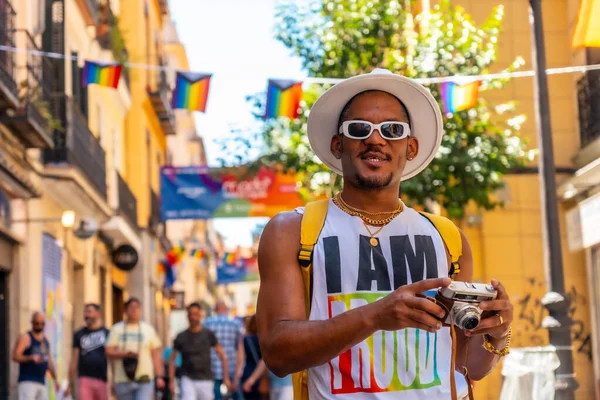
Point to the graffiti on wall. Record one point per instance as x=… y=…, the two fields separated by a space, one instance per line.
x=51 y=286
x=529 y=314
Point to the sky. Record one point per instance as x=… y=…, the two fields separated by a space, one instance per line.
x=233 y=40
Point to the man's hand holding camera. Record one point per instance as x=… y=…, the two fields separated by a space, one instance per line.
x=497 y=324
x=403 y=308
x=407 y=308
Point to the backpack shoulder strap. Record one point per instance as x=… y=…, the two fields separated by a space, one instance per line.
x=451 y=237
x=312 y=224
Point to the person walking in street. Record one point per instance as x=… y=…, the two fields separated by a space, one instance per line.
x=195 y=344
x=88 y=359
x=134 y=348
x=229 y=333
x=254 y=368
x=345 y=310
x=32 y=352
x=169 y=394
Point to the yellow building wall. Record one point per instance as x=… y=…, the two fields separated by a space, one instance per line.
x=507 y=245
x=145 y=142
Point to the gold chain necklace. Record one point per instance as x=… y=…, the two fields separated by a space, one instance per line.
x=398 y=209
x=339 y=201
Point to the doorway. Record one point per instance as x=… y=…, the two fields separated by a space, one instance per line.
x=4 y=335
x=118 y=306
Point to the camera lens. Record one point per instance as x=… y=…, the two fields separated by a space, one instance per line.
x=467 y=317
x=470 y=323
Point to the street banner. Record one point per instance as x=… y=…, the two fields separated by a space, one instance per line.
x=202 y=193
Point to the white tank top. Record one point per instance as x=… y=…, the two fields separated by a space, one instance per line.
x=348 y=273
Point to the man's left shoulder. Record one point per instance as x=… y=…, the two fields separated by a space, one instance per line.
x=79 y=332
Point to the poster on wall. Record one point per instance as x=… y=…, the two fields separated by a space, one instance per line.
x=200 y=193
x=52 y=301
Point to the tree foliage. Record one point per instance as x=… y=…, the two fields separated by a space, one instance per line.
x=342 y=38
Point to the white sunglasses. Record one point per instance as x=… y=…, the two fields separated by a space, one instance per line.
x=390 y=130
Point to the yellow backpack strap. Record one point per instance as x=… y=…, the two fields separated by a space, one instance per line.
x=451 y=237
x=312 y=224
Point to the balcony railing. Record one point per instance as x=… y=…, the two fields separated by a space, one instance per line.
x=33 y=119
x=127 y=201
x=77 y=146
x=588 y=93
x=160 y=97
x=154 y=210
x=8 y=87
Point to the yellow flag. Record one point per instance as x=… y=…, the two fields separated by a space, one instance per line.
x=587 y=31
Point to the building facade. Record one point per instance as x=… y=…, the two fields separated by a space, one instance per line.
x=195 y=274
x=508 y=243
x=79 y=168
x=580 y=193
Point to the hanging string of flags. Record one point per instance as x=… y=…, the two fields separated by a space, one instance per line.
x=284 y=96
x=107 y=74
x=174 y=257
x=191 y=91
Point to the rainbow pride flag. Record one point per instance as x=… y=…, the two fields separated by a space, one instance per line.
x=191 y=91
x=103 y=74
x=283 y=98
x=459 y=97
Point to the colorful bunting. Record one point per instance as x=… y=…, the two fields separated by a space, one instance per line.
x=191 y=91
x=231 y=258
x=587 y=30
x=283 y=98
x=170 y=277
x=198 y=253
x=102 y=74
x=459 y=97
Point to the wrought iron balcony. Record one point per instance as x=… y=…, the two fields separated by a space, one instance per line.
x=588 y=93
x=9 y=93
x=75 y=145
x=127 y=201
x=160 y=97
x=33 y=118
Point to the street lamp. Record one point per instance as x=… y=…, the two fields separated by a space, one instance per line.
x=67 y=219
x=556 y=301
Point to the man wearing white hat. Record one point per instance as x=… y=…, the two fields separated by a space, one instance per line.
x=369 y=332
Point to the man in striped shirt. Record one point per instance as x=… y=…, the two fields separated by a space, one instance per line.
x=229 y=332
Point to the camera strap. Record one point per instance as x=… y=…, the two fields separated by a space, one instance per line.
x=453 y=356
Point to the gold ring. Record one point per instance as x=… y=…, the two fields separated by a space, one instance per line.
x=501 y=319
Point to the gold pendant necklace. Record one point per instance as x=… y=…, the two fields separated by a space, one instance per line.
x=374 y=242
x=338 y=201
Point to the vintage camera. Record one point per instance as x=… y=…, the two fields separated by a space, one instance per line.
x=461 y=300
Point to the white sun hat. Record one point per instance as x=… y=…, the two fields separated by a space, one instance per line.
x=423 y=110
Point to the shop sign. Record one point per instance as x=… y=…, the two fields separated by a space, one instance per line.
x=590 y=220
x=125 y=257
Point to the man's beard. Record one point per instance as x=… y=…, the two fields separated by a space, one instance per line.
x=89 y=321
x=38 y=330
x=373 y=183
